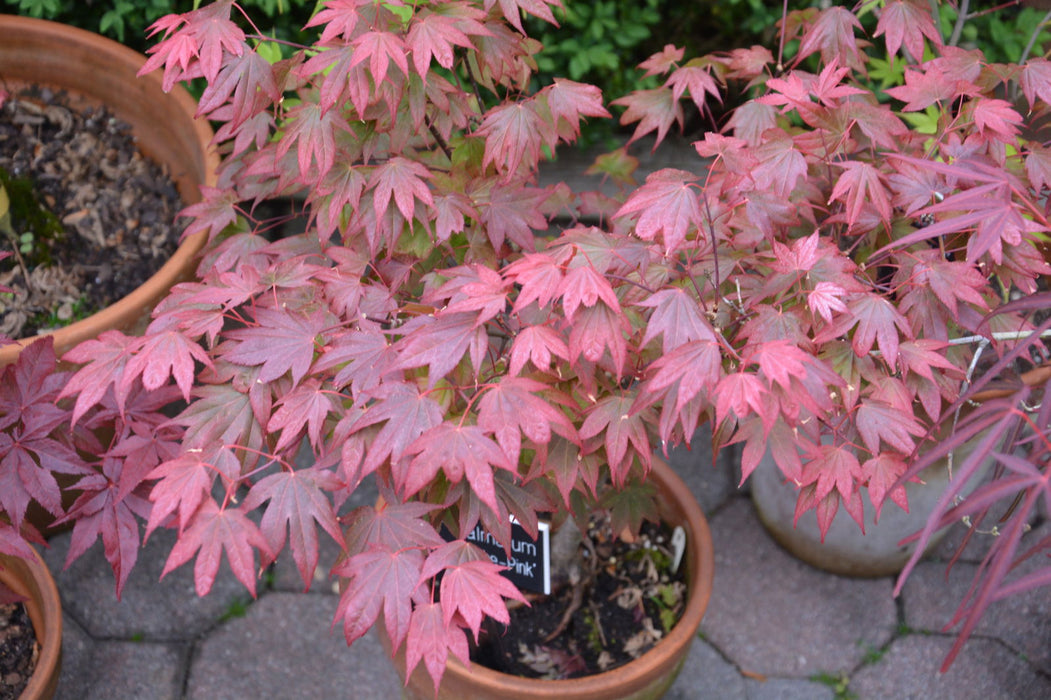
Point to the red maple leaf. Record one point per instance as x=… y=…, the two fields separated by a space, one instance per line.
x=161 y=355
x=907 y=22
x=742 y=394
x=1035 y=80
x=677 y=317
x=582 y=284
x=511 y=408
x=298 y=502
x=459 y=451
x=654 y=110
x=510 y=211
x=405 y=180
x=242 y=82
x=599 y=329
x=997 y=116
x=620 y=427
x=693 y=366
x=312 y=130
x=406 y=414
x=381 y=49
x=439 y=343
x=203 y=34
x=281 y=342
x=186 y=482
x=878 y=322
x=922 y=89
x=536 y=344
x=568 y=101
x=831 y=468
x=511 y=9
x=832 y=33
x=859 y=186
x=471 y=589
x=878 y=420
x=379 y=578
x=211 y=531
x=668 y=205
x=430 y=639
x=436 y=35
x=391 y=526
x=881 y=473
x=514 y=133
x=781 y=164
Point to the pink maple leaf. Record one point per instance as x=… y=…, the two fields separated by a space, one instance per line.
x=907 y=22
x=297 y=502
x=213 y=530
x=667 y=204
x=431 y=639
x=459 y=451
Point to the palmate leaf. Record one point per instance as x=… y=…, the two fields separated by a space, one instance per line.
x=906 y=22
x=620 y=426
x=391 y=526
x=298 y=502
x=861 y=184
x=511 y=408
x=440 y=343
x=434 y=36
x=306 y=405
x=667 y=205
x=459 y=451
x=473 y=590
x=103 y=510
x=512 y=10
x=281 y=342
x=514 y=134
x=379 y=578
x=211 y=531
x=878 y=420
x=654 y=110
x=431 y=639
x=406 y=414
x=538 y=345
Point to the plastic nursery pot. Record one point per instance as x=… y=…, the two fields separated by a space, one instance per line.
x=32 y=580
x=645 y=678
x=91 y=69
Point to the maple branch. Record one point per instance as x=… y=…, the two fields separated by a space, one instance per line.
x=961 y=19
x=781 y=43
x=438 y=138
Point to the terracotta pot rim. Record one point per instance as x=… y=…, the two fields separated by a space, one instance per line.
x=32 y=579
x=182 y=106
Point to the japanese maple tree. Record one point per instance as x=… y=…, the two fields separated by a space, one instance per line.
x=487 y=347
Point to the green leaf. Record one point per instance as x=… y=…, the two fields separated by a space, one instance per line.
x=925 y=122
x=630 y=505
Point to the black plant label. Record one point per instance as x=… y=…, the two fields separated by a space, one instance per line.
x=527 y=565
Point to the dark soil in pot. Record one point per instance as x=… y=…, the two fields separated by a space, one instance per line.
x=18 y=650
x=623 y=601
x=114 y=207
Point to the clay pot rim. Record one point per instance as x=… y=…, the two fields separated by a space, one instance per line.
x=31 y=578
x=183 y=105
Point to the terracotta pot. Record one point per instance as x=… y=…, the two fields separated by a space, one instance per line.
x=31 y=579
x=646 y=678
x=94 y=70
